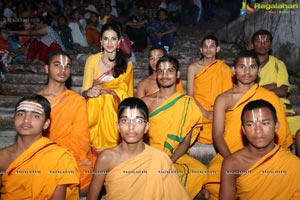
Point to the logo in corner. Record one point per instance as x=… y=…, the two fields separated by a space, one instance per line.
x=247 y=7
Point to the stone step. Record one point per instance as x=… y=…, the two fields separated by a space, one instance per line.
x=38 y=78
x=7 y=138
x=21 y=89
x=6 y=117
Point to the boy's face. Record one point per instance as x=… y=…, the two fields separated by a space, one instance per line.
x=162 y=16
x=262 y=44
x=4 y=35
x=132 y=126
x=59 y=69
x=61 y=21
x=246 y=70
x=154 y=55
x=27 y=25
x=209 y=48
x=166 y=75
x=30 y=119
x=259 y=127
x=141 y=11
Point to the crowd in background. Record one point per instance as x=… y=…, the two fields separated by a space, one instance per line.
x=75 y=25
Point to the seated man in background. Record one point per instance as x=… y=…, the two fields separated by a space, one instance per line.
x=161 y=32
x=273 y=75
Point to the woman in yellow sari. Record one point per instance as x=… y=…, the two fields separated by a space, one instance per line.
x=108 y=79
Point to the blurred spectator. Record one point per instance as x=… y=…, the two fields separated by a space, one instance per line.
x=53 y=13
x=174 y=9
x=48 y=41
x=77 y=26
x=125 y=44
x=136 y=29
x=92 y=30
x=106 y=15
x=161 y=32
x=191 y=12
x=113 y=6
x=64 y=31
x=8 y=12
x=5 y=49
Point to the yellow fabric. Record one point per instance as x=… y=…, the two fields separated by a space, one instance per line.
x=261 y=185
x=274 y=71
x=233 y=134
x=179 y=86
x=294 y=123
x=69 y=128
x=149 y=175
x=211 y=81
x=37 y=171
x=169 y=124
x=102 y=110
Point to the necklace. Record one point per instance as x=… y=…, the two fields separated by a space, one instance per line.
x=107 y=65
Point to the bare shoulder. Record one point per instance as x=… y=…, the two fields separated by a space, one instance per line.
x=195 y=66
x=239 y=162
x=7 y=155
x=144 y=86
x=151 y=101
x=108 y=158
x=224 y=99
x=107 y=154
x=144 y=82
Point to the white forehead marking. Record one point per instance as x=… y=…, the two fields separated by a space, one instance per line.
x=262 y=38
x=63 y=61
x=248 y=61
x=257 y=115
x=30 y=106
x=131 y=113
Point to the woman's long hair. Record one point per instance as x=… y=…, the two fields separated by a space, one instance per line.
x=121 y=60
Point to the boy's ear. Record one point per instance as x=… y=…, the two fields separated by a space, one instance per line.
x=277 y=125
x=118 y=126
x=178 y=74
x=46 y=124
x=46 y=68
x=233 y=70
x=243 y=130
x=218 y=48
x=147 y=127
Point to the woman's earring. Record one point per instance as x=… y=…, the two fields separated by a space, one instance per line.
x=101 y=47
x=118 y=48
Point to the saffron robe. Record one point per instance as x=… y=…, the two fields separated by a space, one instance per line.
x=69 y=128
x=102 y=110
x=209 y=82
x=37 y=172
x=169 y=124
x=233 y=132
x=149 y=175
x=274 y=176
